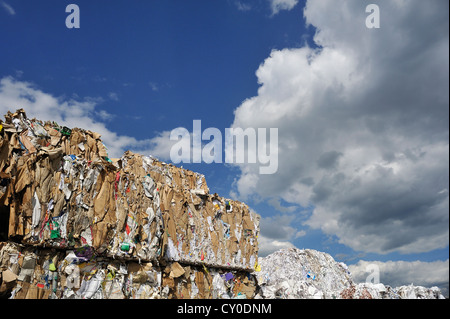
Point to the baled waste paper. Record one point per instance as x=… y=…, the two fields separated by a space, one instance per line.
x=309 y=274
x=60 y=190
x=49 y=273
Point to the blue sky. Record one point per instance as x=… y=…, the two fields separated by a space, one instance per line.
x=362 y=137
x=175 y=60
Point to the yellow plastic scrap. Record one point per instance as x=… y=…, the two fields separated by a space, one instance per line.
x=206 y=270
x=52 y=267
x=257 y=267
x=110 y=275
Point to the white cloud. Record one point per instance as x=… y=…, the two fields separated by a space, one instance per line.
x=363 y=125
x=278 y=5
x=400 y=273
x=154 y=86
x=268 y=245
x=104 y=116
x=161 y=145
x=10 y=10
x=242 y=6
x=275 y=203
x=113 y=96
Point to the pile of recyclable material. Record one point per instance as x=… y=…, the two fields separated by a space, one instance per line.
x=306 y=274
x=309 y=274
x=49 y=273
x=59 y=190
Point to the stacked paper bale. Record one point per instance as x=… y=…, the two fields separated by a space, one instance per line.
x=49 y=273
x=61 y=191
x=30 y=273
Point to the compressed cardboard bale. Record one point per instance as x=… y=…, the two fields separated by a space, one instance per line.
x=145 y=281
x=208 y=233
x=201 y=282
x=196 y=231
x=30 y=268
x=66 y=198
x=63 y=191
x=75 y=274
x=138 y=220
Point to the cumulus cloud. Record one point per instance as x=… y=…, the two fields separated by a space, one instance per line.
x=401 y=273
x=16 y=94
x=363 y=125
x=277 y=233
x=275 y=203
x=267 y=245
x=278 y=227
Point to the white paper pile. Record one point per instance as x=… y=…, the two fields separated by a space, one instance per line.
x=309 y=274
x=418 y=292
x=293 y=273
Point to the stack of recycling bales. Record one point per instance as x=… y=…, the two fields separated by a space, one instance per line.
x=82 y=225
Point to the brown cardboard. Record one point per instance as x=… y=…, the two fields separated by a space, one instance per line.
x=176 y=270
x=134 y=207
x=120 y=278
x=8 y=276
